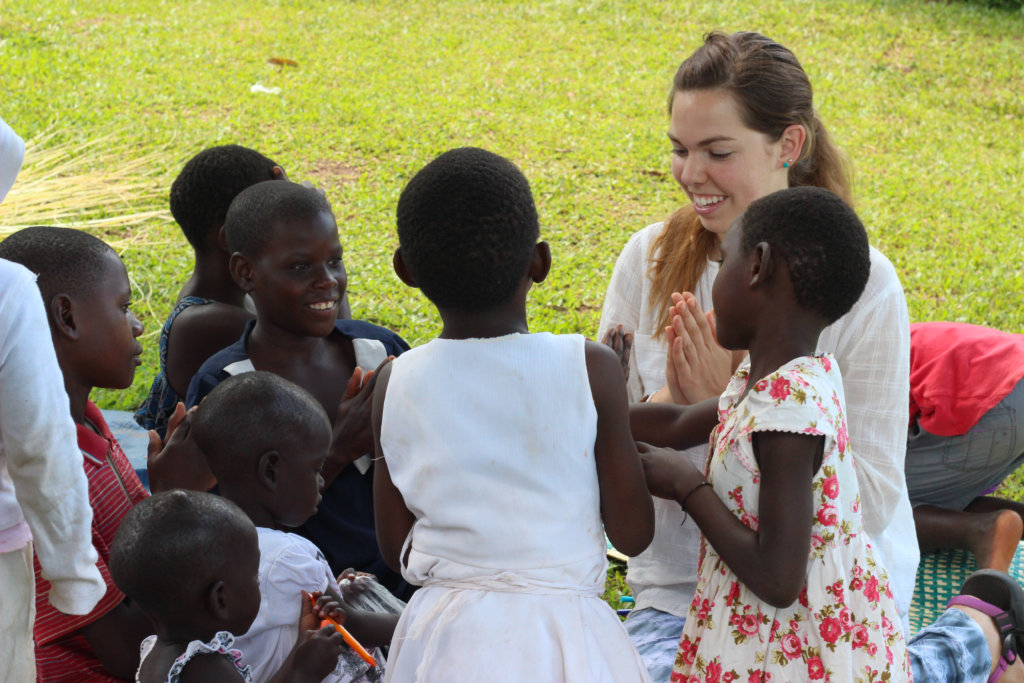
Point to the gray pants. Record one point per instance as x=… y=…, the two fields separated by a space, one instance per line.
x=951 y=471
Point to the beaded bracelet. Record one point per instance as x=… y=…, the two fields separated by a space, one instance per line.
x=682 y=504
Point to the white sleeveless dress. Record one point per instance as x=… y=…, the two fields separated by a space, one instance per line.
x=491 y=443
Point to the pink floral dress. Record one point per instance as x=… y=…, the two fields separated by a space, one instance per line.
x=844 y=627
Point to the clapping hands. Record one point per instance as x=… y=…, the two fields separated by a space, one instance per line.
x=696 y=367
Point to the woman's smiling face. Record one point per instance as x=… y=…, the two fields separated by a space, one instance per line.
x=720 y=163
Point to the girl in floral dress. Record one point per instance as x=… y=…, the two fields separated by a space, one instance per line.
x=789 y=588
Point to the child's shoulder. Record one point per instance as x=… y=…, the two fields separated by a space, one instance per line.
x=275 y=541
x=231 y=360
x=289 y=559
x=226 y=665
x=361 y=329
x=200 y=320
x=806 y=389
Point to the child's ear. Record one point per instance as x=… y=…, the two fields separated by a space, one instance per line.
x=761 y=265
x=63 y=314
x=267 y=469
x=241 y=271
x=216 y=601
x=402 y=270
x=540 y=264
x=222 y=237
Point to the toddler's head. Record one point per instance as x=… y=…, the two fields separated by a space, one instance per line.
x=203 y=191
x=87 y=294
x=467 y=227
x=191 y=561
x=816 y=236
x=287 y=256
x=265 y=440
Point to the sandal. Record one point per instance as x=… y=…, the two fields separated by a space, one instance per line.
x=999 y=596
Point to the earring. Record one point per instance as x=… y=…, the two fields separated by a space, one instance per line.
x=786 y=165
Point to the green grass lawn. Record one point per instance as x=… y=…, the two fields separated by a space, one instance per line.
x=927 y=98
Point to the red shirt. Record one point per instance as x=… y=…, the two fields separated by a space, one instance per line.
x=62 y=652
x=959 y=372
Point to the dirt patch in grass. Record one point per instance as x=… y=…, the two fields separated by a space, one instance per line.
x=335 y=172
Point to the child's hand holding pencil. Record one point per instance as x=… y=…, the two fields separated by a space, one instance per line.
x=327 y=609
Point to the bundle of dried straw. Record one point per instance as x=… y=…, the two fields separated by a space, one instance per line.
x=97 y=185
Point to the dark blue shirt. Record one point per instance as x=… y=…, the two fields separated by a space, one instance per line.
x=343 y=527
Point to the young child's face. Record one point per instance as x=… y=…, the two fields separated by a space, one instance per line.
x=299 y=480
x=730 y=291
x=299 y=277
x=107 y=351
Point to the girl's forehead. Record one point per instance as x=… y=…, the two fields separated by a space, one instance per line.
x=702 y=114
x=299 y=230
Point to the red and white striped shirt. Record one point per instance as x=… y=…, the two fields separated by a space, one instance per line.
x=62 y=652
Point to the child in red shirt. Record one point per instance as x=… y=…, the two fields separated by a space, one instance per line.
x=87 y=295
x=965 y=436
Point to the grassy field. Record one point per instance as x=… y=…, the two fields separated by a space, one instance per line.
x=927 y=98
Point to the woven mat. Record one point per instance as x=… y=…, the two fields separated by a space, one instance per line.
x=939 y=578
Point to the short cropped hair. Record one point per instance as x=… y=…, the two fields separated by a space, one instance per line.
x=173 y=544
x=65 y=260
x=248 y=414
x=209 y=181
x=822 y=242
x=257 y=209
x=467 y=226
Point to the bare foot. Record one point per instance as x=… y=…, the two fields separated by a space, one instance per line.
x=995 y=543
x=992 y=504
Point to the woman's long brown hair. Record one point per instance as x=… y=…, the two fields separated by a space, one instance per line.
x=772 y=93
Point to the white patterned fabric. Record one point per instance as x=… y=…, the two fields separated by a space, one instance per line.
x=844 y=626
x=221 y=644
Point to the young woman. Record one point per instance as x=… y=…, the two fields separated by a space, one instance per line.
x=743 y=125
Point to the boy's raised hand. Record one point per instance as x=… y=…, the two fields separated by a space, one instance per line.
x=177 y=462
x=353 y=434
x=354 y=583
x=621 y=342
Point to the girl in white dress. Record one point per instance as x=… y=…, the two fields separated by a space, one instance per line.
x=789 y=587
x=503 y=456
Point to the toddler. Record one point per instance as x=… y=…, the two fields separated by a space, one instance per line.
x=191 y=560
x=266 y=441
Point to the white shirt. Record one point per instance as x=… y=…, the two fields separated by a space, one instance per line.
x=289 y=564
x=12 y=152
x=42 y=485
x=871 y=344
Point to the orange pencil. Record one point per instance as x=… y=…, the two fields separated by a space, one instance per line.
x=352 y=642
